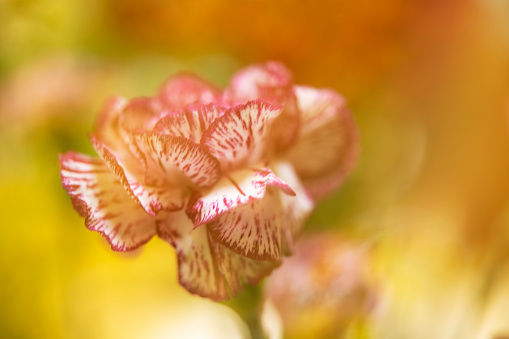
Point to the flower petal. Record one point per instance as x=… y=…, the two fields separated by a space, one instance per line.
x=239 y=137
x=197 y=268
x=207 y=268
x=239 y=270
x=253 y=230
x=328 y=138
x=152 y=198
x=141 y=114
x=189 y=122
x=271 y=82
x=177 y=160
x=99 y=197
x=241 y=187
x=297 y=208
x=108 y=125
x=187 y=89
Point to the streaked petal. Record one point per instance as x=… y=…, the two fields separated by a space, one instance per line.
x=240 y=136
x=99 y=197
x=253 y=230
x=177 y=160
x=153 y=198
x=239 y=270
x=241 y=187
x=189 y=122
x=197 y=268
x=207 y=268
x=187 y=89
x=328 y=136
x=297 y=208
x=271 y=82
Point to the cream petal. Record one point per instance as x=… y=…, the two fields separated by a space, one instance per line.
x=189 y=122
x=238 y=188
x=240 y=136
x=99 y=197
x=177 y=160
x=205 y=267
x=197 y=267
x=297 y=208
x=239 y=270
x=253 y=230
x=152 y=197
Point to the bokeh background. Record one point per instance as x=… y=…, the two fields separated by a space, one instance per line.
x=427 y=81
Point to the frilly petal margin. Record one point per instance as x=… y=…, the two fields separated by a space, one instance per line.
x=187 y=89
x=239 y=137
x=238 y=188
x=253 y=230
x=99 y=197
x=327 y=146
x=207 y=268
x=152 y=198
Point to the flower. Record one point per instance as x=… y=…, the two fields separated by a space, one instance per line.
x=322 y=290
x=227 y=177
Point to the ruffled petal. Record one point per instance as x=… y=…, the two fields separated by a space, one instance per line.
x=239 y=270
x=197 y=268
x=187 y=89
x=98 y=196
x=189 y=122
x=240 y=136
x=271 y=82
x=207 y=268
x=328 y=141
x=151 y=197
x=177 y=160
x=253 y=230
x=239 y=188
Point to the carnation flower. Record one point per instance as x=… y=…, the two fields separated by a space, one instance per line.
x=227 y=177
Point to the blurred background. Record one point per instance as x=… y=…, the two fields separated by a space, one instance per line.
x=427 y=81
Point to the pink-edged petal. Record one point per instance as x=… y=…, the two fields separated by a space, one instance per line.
x=253 y=230
x=240 y=136
x=239 y=270
x=177 y=160
x=197 y=268
x=205 y=267
x=297 y=208
x=328 y=137
x=271 y=82
x=98 y=196
x=186 y=89
x=239 y=188
x=189 y=122
x=153 y=198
